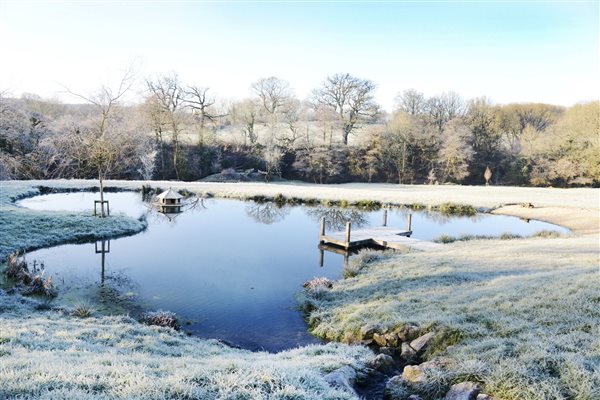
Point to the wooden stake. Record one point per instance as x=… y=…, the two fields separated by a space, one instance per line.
x=384 y=217
x=409 y=223
x=322 y=230
x=348 y=227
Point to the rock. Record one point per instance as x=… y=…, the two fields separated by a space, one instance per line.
x=382 y=362
x=387 y=350
x=366 y=342
x=380 y=339
x=367 y=331
x=392 y=340
x=463 y=391
x=420 y=344
x=342 y=378
x=414 y=397
x=413 y=373
x=483 y=396
x=408 y=352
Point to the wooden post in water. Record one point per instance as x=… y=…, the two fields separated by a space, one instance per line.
x=321 y=257
x=409 y=223
x=348 y=227
x=384 y=217
x=322 y=228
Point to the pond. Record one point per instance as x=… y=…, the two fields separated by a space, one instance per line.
x=229 y=269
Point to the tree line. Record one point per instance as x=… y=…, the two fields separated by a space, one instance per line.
x=338 y=134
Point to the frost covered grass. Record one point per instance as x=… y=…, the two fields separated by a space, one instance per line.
x=48 y=355
x=58 y=354
x=503 y=236
x=522 y=314
x=24 y=229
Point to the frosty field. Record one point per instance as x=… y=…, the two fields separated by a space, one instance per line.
x=523 y=312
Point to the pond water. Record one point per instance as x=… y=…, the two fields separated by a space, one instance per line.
x=229 y=269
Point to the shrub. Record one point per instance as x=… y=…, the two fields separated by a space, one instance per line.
x=371 y=205
x=456 y=209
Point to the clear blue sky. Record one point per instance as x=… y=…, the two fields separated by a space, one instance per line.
x=507 y=51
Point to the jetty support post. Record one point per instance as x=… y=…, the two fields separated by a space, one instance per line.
x=348 y=228
x=409 y=223
x=321 y=257
x=322 y=229
x=384 y=218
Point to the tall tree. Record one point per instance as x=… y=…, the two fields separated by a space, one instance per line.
x=201 y=103
x=411 y=102
x=273 y=94
x=455 y=152
x=351 y=98
x=103 y=146
x=169 y=98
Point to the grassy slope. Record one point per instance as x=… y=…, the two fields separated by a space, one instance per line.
x=527 y=311
x=49 y=355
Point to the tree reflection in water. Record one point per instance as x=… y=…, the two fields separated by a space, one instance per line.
x=267 y=213
x=116 y=292
x=336 y=218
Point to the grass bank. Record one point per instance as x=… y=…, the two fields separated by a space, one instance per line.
x=522 y=315
x=25 y=229
x=50 y=355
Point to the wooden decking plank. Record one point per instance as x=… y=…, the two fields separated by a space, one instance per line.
x=383 y=236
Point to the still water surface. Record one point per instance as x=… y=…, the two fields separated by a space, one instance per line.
x=229 y=269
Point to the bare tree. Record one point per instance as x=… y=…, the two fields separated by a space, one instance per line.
x=169 y=97
x=411 y=102
x=351 y=98
x=247 y=112
x=273 y=93
x=201 y=103
x=102 y=146
x=443 y=108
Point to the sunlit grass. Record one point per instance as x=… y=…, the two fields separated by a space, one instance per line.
x=525 y=312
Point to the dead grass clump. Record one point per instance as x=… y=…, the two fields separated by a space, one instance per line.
x=31 y=281
x=317 y=283
x=16 y=268
x=547 y=234
x=165 y=319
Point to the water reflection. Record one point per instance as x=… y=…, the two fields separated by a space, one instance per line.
x=334 y=249
x=231 y=268
x=102 y=249
x=267 y=213
x=337 y=217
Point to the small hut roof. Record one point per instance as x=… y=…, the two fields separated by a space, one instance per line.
x=169 y=194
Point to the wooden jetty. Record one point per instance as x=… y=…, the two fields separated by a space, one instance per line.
x=383 y=236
